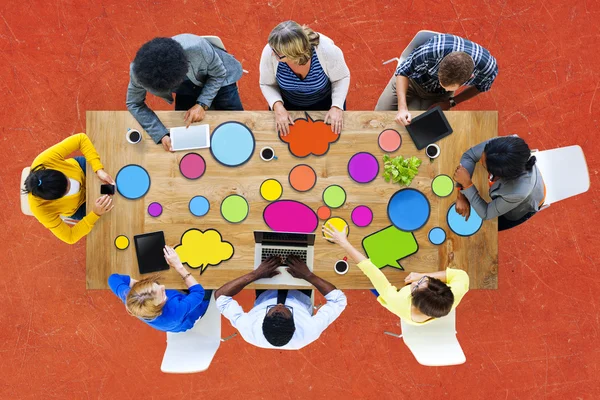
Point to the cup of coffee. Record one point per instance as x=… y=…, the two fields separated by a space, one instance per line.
x=433 y=151
x=341 y=266
x=267 y=154
x=133 y=136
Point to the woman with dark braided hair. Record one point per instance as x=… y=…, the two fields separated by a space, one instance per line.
x=56 y=187
x=516 y=186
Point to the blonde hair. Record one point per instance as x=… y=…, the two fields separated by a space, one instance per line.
x=140 y=299
x=294 y=41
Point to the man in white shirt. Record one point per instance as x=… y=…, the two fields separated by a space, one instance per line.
x=281 y=319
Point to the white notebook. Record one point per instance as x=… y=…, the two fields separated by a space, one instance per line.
x=194 y=137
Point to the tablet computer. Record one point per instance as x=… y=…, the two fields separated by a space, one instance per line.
x=194 y=137
x=149 y=251
x=429 y=127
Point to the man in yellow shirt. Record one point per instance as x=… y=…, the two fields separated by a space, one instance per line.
x=426 y=296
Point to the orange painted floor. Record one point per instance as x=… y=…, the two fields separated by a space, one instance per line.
x=534 y=338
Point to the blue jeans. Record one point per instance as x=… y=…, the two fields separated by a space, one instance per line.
x=80 y=213
x=227 y=98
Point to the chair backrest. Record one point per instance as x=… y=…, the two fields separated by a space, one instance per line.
x=215 y=41
x=434 y=344
x=565 y=172
x=24 y=196
x=420 y=38
x=193 y=350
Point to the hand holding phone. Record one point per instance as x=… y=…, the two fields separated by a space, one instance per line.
x=107 y=189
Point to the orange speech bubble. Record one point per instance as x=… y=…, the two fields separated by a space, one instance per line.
x=308 y=136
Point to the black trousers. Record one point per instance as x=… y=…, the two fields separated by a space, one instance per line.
x=504 y=224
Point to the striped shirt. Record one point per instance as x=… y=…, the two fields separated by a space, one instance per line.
x=423 y=63
x=303 y=92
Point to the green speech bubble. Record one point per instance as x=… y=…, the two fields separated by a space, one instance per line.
x=388 y=246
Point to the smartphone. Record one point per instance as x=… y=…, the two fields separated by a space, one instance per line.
x=107 y=189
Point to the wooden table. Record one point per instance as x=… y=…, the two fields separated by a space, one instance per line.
x=478 y=254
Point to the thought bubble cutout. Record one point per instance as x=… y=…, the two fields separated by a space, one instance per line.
x=308 y=136
x=199 y=249
x=290 y=216
x=388 y=246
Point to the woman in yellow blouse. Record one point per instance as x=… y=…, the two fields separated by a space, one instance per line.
x=56 y=187
x=425 y=296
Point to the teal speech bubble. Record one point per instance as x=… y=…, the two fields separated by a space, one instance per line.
x=388 y=246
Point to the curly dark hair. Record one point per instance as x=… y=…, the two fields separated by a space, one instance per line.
x=278 y=330
x=160 y=64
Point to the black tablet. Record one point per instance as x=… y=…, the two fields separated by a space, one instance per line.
x=429 y=127
x=149 y=250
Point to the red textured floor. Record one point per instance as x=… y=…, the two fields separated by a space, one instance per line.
x=534 y=338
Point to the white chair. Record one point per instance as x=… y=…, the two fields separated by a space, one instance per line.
x=420 y=38
x=193 y=350
x=25 y=209
x=433 y=344
x=217 y=42
x=565 y=172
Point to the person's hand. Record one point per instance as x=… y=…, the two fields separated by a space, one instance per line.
x=104 y=177
x=445 y=105
x=166 y=143
x=403 y=117
x=103 y=205
x=268 y=268
x=335 y=236
x=335 y=117
x=462 y=176
x=298 y=268
x=283 y=119
x=413 y=277
x=463 y=207
x=172 y=258
x=194 y=114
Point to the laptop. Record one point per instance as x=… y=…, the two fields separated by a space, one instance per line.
x=149 y=251
x=284 y=244
x=194 y=137
x=429 y=127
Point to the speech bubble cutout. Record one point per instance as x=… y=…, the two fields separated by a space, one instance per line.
x=388 y=246
x=308 y=136
x=200 y=249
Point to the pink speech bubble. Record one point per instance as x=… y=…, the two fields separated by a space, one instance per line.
x=290 y=216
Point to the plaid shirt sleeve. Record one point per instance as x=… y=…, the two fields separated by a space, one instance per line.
x=484 y=81
x=420 y=60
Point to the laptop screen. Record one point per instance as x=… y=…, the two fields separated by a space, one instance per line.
x=284 y=238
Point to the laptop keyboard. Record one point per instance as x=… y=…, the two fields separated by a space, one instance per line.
x=266 y=253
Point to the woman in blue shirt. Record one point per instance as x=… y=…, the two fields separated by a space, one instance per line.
x=163 y=309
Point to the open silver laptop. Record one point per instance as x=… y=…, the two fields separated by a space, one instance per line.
x=284 y=244
x=194 y=137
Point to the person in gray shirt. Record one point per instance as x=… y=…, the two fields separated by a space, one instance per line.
x=201 y=75
x=516 y=188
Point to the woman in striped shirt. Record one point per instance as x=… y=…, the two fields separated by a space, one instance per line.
x=303 y=70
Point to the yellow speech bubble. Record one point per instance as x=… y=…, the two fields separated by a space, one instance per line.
x=200 y=249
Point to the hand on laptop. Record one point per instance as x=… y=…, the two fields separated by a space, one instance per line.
x=268 y=268
x=298 y=268
x=166 y=143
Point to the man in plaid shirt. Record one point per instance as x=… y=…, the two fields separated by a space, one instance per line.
x=433 y=71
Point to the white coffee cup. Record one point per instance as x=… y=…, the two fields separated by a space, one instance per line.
x=267 y=149
x=341 y=267
x=430 y=149
x=135 y=133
